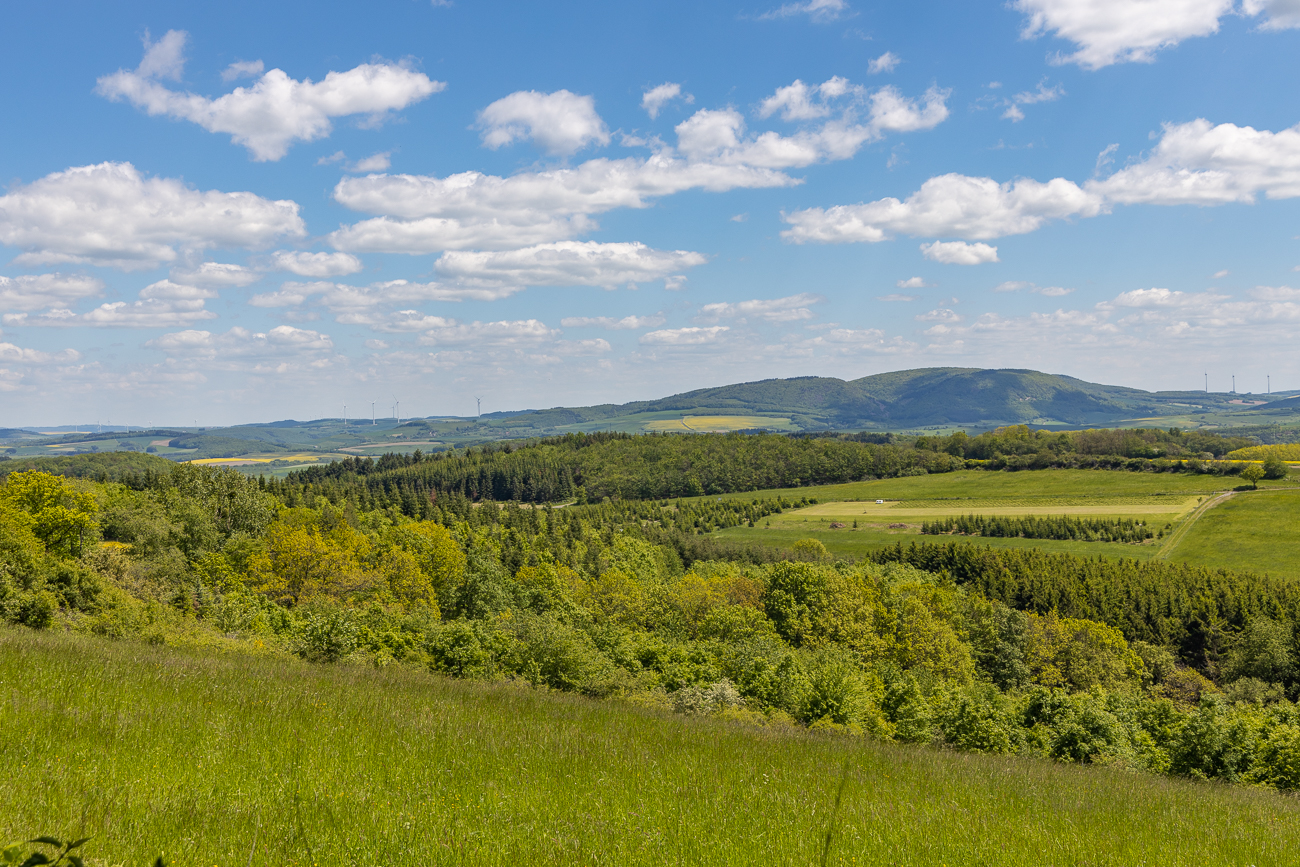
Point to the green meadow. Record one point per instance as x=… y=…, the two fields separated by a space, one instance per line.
x=852 y=543
x=1257 y=530
x=214 y=759
x=1073 y=485
x=1160 y=499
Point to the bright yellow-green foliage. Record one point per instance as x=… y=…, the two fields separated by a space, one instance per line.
x=1285 y=451
x=1079 y=654
x=59 y=513
x=216 y=760
x=310 y=556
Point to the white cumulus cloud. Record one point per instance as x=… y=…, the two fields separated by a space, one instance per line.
x=684 y=336
x=1282 y=14
x=277 y=110
x=1200 y=163
x=215 y=274
x=789 y=309
x=818 y=10
x=856 y=116
x=32 y=292
x=953 y=205
x=241 y=343
x=504 y=332
x=627 y=323
x=1194 y=163
x=567 y=263
x=913 y=283
x=109 y=214
x=163 y=304
x=319 y=265
x=959 y=253
x=1029 y=97
x=470 y=210
x=424 y=214
x=561 y=122
x=942 y=314
x=1120 y=31
x=886 y=62
x=654 y=99
x=238 y=69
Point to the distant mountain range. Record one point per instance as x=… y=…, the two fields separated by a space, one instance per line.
x=926 y=399
x=909 y=399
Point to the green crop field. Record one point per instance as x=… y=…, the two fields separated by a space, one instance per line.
x=1079 y=486
x=211 y=759
x=853 y=544
x=1256 y=530
x=1249 y=531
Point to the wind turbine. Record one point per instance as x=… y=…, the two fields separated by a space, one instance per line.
x=397 y=410
x=479 y=401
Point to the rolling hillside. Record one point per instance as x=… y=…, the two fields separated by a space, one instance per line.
x=925 y=399
x=908 y=399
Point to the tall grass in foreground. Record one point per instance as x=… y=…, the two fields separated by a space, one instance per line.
x=232 y=760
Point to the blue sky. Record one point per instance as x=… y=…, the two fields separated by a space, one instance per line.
x=244 y=212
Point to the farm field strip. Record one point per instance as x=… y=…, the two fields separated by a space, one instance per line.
x=848 y=542
x=718 y=423
x=897 y=511
x=992 y=485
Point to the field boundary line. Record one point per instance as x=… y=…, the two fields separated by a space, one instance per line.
x=1177 y=536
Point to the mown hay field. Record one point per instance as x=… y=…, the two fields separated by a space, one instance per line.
x=215 y=759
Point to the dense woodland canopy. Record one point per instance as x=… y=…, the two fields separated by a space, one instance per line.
x=1170 y=668
x=621 y=466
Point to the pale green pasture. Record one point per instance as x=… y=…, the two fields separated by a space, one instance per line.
x=851 y=543
x=1251 y=530
x=1072 y=485
x=1151 y=509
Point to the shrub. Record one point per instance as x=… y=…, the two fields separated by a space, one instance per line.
x=971 y=720
x=714 y=698
x=1263 y=651
x=326 y=634
x=36 y=609
x=1277 y=759
x=458 y=648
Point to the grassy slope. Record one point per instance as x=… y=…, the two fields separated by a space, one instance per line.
x=230 y=760
x=1255 y=528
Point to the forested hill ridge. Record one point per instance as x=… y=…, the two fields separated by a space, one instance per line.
x=909 y=399
x=922 y=401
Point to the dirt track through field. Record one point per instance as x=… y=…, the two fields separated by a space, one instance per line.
x=1181 y=532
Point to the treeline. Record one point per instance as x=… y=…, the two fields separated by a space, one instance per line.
x=1032 y=527
x=595 y=466
x=1155 y=666
x=1194 y=610
x=1019 y=440
x=583 y=467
